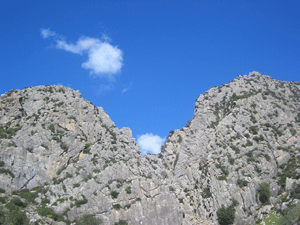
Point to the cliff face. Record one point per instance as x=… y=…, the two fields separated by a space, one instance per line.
x=243 y=134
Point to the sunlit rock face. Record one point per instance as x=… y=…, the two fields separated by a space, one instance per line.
x=242 y=134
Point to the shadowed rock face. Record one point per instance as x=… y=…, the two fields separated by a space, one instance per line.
x=242 y=134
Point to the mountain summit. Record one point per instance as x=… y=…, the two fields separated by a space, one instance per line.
x=63 y=161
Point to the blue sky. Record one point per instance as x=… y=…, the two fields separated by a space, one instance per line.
x=145 y=62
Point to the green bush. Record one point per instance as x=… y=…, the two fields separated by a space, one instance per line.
x=2 y=163
x=222 y=177
x=64 y=146
x=121 y=222
x=264 y=192
x=242 y=183
x=29 y=196
x=295 y=192
x=60 y=170
x=114 y=194
x=226 y=216
x=253 y=129
x=117 y=207
x=88 y=219
x=128 y=190
x=206 y=193
x=48 y=212
x=17 y=202
x=16 y=218
x=87 y=149
x=7 y=171
x=78 y=203
x=76 y=185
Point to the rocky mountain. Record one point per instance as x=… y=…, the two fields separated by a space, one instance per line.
x=63 y=161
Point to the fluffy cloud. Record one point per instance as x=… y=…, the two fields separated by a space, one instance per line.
x=150 y=143
x=47 y=33
x=103 y=58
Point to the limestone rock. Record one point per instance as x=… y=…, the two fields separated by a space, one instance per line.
x=77 y=162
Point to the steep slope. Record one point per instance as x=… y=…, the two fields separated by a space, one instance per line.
x=243 y=135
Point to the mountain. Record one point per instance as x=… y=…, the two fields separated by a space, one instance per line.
x=63 y=161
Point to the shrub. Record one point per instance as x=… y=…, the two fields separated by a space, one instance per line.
x=78 y=203
x=171 y=188
x=242 y=183
x=253 y=129
x=48 y=212
x=206 y=193
x=249 y=143
x=264 y=192
x=2 y=163
x=117 y=207
x=68 y=175
x=128 y=190
x=64 y=146
x=87 y=149
x=295 y=192
x=293 y=131
x=29 y=196
x=88 y=219
x=114 y=194
x=226 y=215
x=7 y=171
x=60 y=170
x=236 y=149
x=121 y=222
x=222 y=177
x=18 y=202
x=16 y=218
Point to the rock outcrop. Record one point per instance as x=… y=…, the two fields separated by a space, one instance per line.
x=76 y=162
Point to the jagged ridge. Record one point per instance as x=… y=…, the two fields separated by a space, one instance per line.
x=243 y=134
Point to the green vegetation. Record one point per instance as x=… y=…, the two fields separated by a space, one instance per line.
x=60 y=170
x=264 y=193
x=76 y=185
x=2 y=163
x=242 y=183
x=288 y=170
x=117 y=207
x=271 y=219
x=206 y=193
x=236 y=149
x=128 y=190
x=87 y=149
x=295 y=191
x=171 y=188
x=226 y=215
x=121 y=222
x=114 y=194
x=253 y=129
x=64 y=146
x=88 y=220
x=49 y=212
x=7 y=171
x=7 y=132
x=78 y=203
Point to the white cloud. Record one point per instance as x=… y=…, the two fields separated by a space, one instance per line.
x=150 y=143
x=47 y=33
x=127 y=88
x=104 y=59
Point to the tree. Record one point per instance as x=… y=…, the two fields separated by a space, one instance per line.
x=226 y=216
x=264 y=192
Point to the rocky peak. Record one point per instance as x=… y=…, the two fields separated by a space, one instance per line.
x=76 y=162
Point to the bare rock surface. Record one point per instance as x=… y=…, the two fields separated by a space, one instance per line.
x=76 y=162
